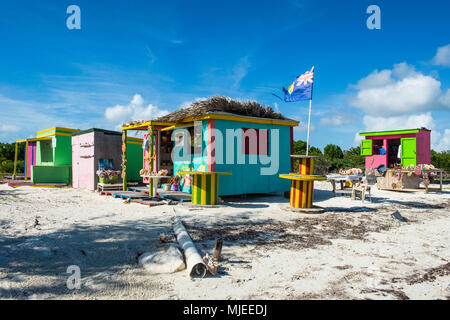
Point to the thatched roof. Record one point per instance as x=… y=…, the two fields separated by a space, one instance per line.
x=219 y=104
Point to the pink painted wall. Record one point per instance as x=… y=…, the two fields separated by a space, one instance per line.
x=375 y=161
x=31 y=157
x=83 y=167
x=423 y=147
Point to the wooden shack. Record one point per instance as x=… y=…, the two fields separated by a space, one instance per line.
x=224 y=135
x=88 y=146
x=391 y=148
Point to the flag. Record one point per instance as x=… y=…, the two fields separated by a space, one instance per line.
x=301 y=88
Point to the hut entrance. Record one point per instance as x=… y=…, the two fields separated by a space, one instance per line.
x=164 y=149
x=393 y=152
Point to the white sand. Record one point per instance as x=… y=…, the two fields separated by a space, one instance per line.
x=354 y=250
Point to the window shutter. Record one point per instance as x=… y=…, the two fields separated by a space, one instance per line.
x=366 y=147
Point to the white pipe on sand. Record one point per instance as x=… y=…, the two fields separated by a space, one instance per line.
x=194 y=261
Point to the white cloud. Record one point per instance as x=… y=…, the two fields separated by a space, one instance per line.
x=302 y=128
x=275 y=107
x=135 y=110
x=187 y=104
x=439 y=142
x=337 y=120
x=239 y=71
x=399 y=90
x=442 y=57
x=445 y=98
x=9 y=128
x=379 y=123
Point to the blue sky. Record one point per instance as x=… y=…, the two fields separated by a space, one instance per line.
x=139 y=59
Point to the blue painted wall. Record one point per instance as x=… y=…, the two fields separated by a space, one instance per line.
x=246 y=178
x=195 y=160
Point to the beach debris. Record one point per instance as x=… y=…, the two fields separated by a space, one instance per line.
x=218 y=249
x=162 y=238
x=399 y=217
x=211 y=265
x=166 y=259
x=36 y=222
x=194 y=262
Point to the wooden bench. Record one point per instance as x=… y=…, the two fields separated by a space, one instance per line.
x=362 y=189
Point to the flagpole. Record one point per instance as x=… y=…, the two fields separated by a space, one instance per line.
x=309 y=123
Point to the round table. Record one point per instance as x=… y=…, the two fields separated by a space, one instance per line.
x=302 y=189
x=205 y=187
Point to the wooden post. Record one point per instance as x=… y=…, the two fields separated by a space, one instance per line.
x=151 y=137
x=15 y=164
x=218 y=249
x=333 y=183
x=26 y=162
x=124 y=159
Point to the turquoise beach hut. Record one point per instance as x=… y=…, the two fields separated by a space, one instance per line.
x=220 y=134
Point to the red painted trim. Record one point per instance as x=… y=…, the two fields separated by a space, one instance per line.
x=308 y=165
x=392 y=136
x=292 y=148
x=211 y=146
x=301 y=193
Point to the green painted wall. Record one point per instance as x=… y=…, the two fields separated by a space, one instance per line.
x=51 y=174
x=59 y=156
x=134 y=162
x=45 y=154
x=63 y=151
x=53 y=165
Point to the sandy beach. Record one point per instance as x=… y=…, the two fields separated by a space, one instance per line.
x=353 y=250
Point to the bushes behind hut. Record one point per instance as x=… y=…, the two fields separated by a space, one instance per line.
x=7 y=151
x=332 y=159
x=441 y=160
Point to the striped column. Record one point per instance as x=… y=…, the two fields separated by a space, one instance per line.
x=205 y=189
x=306 y=166
x=302 y=194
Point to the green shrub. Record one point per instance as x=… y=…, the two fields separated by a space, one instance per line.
x=441 y=160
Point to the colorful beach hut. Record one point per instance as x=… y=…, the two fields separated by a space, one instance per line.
x=389 y=148
x=220 y=134
x=90 y=146
x=48 y=157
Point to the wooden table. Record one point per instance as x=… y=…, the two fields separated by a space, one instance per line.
x=205 y=187
x=342 y=178
x=155 y=183
x=107 y=186
x=395 y=185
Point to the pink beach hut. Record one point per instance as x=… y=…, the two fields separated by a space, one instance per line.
x=388 y=148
